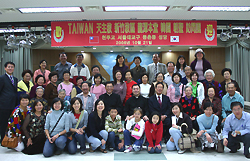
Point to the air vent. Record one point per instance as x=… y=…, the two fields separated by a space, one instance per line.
x=92 y=8
x=8 y=10
x=178 y=8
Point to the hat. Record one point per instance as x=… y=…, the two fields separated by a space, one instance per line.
x=199 y=50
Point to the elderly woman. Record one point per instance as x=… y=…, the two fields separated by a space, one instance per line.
x=25 y=85
x=66 y=85
x=187 y=79
x=191 y=106
x=176 y=89
x=159 y=78
x=42 y=71
x=207 y=124
x=145 y=87
x=56 y=133
x=51 y=89
x=226 y=73
x=120 y=65
x=138 y=70
x=39 y=97
x=198 y=88
x=39 y=81
x=180 y=66
x=209 y=75
x=66 y=103
x=176 y=131
x=200 y=64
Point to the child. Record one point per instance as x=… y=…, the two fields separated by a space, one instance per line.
x=134 y=131
x=113 y=126
x=153 y=131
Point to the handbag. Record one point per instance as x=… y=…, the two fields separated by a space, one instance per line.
x=9 y=142
x=77 y=124
x=186 y=142
x=56 y=124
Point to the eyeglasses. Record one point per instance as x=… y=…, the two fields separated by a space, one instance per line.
x=237 y=110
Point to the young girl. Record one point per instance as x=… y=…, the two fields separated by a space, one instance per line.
x=134 y=131
x=154 y=131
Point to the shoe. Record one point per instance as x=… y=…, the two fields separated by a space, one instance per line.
x=58 y=152
x=111 y=149
x=181 y=151
x=103 y=150
x=202 y=147
x=129 y=149
x=233 y=151
x=247 y=156
x=83 y=152
x=90 y=149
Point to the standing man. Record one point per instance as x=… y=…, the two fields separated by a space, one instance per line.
x=79 y=69
x=155 y=68
x=95 y=70
x=138 y=70
x=168 y=76
x=237 y=129
x=62 y=66
x=8 y=96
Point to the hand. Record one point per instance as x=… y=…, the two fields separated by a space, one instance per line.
x=27 y=93
x=225 y=142
x=120 y=145
x=149 y=148
x=129 y=117
x=50 y=140
x=49 y=111
x=238 y=132
x=158 y=146
x=200 y=133
x=223 y=120
x=81 y=130
x=120 y=130
x=29 y=142
x=119 y=116
x=78 y=131
x=192 y=118
x=54 y=137
x=171 y=139
x=209 y=139
x=163 y=117
x=174 y=126
x=145 y=118
x=103 y=142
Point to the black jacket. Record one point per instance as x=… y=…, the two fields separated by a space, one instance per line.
x=186 y=119
x=134 y=102
x=113 y=100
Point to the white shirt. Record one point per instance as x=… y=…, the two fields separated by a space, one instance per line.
x=145 y=89
x=168 y=79
x=182 y=73
x=158 y=98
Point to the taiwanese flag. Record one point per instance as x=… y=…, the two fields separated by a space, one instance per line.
x=94 y=39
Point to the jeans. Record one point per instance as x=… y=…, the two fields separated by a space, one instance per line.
x=59 y=144
x=176 y=135
x=128 y=138
x=156 y=150
x=113 y=141
x=72 y=144
x=95 y=142
x=234 y=141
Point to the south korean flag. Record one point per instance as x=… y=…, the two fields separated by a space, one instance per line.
x=174 y=38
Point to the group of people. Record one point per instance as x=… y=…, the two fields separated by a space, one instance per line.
x=162 y=103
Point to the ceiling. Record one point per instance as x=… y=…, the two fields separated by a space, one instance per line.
x=178 y=10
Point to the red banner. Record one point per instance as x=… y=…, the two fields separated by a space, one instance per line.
x=133 y=32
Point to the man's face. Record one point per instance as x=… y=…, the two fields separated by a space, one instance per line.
x=9 y=69
x=155 y=58
x=237 y=111
x=231 y=89
x=159 y=89
x=79 y=59
x=170 y=67
x=136 y=91
x=85 y=88
x=63 y=57
x=95 y=71
x=188 y=70
x=109 y=88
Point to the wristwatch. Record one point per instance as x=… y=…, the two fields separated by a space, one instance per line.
x=59 y=134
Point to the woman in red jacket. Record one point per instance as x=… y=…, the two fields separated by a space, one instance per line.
x=154 y=131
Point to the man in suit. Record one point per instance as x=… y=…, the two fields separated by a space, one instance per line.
x=161 y=103
x=155 y=68
x=8 y=96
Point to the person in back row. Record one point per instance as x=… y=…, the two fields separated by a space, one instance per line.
x=95 y=70
x=62 y=66
x=137 y=70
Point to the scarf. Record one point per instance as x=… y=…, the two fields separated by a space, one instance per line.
x=177 y=89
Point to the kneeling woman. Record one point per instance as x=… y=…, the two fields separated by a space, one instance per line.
x=207 y=123
x=56 y=126
x=176 y=131
x=78 y=120
x=96 y=133
x=33 y=129
x=154 y=131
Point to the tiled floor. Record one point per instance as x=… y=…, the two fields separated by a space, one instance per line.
x=11 y=155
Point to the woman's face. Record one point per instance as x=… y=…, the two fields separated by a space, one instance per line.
x=176 y=110
x=27 y=77
x=194 y=78
x=155 y=119
x=188 y=92
x=61 y=95
x=199 y=55
x=43 y=65
x=159 y=78
x=211 y=92
x=118 y=76
x=40 y=81
x=100 y=106
x=227 y=75
x=98 y=80
x=24 y=102
x=128 y=76
x=76 y=105
x=145 y=79
x=66 y=76
x=209 y=77
x=181 y=61
x=57 y=105
x=54 y=79
x=79 y=82
x=39 y=107
x=176 y=79
x=208 y=111
x=137 y=115
x=121 y=60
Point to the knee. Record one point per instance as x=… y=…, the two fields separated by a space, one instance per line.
x=61 y=144
x=96 y=143
x=72 y=150
x=126 y=132
x=112 y=134
x=170 y=146
x=151 y=151
x=47 y=152
x=172 y=130
x=157 y=150
x=104 y=134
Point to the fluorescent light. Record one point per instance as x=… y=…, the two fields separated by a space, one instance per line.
x=50 y=9
x=82 y=51
x=220 y=8
x=94 y=48
x=111 y=51
x=13 y=30
x=141 y=50
x=159 y=47
x=126 y=48
x=135 y=8
x=169 y=50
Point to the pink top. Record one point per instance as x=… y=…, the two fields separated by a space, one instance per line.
x=45 y=74
x=171 y=93
x=68 y=88
x=98 y=90
x=199 y=69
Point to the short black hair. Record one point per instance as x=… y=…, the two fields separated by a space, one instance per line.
x=9 y=62
x=96 y=76
x=158 y=74
x=211 y=86
x=109 y=82
x=136 y=85
x=193 y=73
x=233 y=104
x=170 y=63
x=33 y=109
x=112 y=108
x=137 y=57
x=208 y=104
x=27 y=71
x=179 y=75
x=130 y=72
x=66 y=72
x=89 y=84
x=143 y=74
x=232 y=83
x=79 y=54
x=56 y=100
x=177 y=104
x=79 y=77
x=95 y=66
x=53 y=74
x=73 y=100
x=158 y=84
x=226 y=69
x=42 y=62
x=24 y=96
x=151 y=116
x=62 y=53
x=39 y=76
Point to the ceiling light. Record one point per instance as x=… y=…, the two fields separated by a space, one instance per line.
x=46 y=37
x=50 y=9
x=223 y=36
x=242 y=36
x=25 y=44
x=141 y=50
x=135 y=8
x=190 y=47
x=126 y=48
x=220 y=8
x=82 y=51
x=169 y=50
x=111 y=51
x=94 y=48
x=32 y=38
x=159 y=47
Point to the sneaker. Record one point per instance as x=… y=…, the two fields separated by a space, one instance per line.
x=203 y=147
x=83 y=152
x=181 y=151
x=129 y=149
